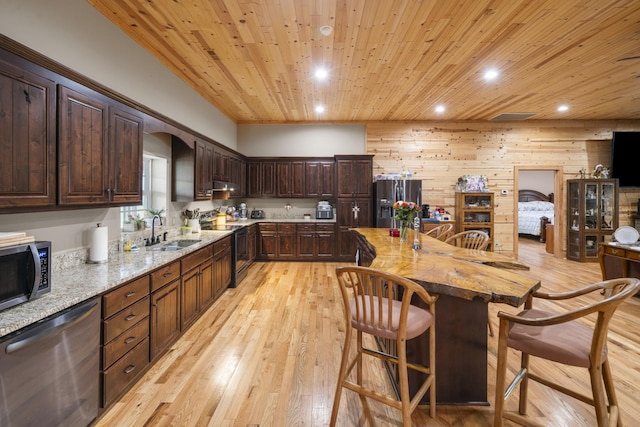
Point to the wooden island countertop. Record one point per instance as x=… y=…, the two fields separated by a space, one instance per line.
x=465 y=282
x=445 y=269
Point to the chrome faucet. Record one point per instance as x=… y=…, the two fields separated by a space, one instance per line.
x=153 y=240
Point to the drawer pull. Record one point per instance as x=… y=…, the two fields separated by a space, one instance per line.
x=129 y=369
x=167 y=274
x=130 y=317
x=129 y=340
x=130 y=294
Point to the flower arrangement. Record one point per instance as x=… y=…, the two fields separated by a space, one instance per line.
x=405 y=212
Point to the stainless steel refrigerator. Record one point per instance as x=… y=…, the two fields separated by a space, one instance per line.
x=387 y=192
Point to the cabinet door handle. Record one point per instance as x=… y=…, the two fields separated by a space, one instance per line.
x=129 y=295
x=167 y=274
x=130 y=317
x=129 y=340
x=129 y=369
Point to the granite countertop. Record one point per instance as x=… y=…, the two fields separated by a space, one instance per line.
x=73 y=285
x=312 y=220
x=80 y=283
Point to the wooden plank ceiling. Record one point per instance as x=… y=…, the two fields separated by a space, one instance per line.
x=396 y=60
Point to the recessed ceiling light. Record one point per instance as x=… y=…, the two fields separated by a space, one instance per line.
x=320 y=109
x=563 y=108
x=325 y=30
x=321 y=74
x=491 y=74
x=440 y=109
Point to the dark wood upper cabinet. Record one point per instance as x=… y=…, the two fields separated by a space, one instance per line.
x=261 y=178
x=221 y=167
x=99 y=150
x=354 y=176
x=290 y=178
x=238 y=176
x=83 y=148
x=125 y=155
x=320 y=178
x=192 y=170
x=27 y=139
x=300 y=177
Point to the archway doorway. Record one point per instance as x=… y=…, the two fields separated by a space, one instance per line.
x=554 y=175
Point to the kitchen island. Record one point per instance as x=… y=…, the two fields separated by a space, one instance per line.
x=465 y=281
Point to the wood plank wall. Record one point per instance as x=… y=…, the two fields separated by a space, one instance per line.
x=440 y=152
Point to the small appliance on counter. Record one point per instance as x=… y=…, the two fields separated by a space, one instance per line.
x=257 y=214
x=324 y=210
x=425 y=211
x=243 y=211
x=26 y=271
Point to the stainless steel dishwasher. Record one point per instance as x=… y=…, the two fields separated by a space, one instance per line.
x=49 y=372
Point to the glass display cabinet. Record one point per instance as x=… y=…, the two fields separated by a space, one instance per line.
x=592 y=216
x=474 y=211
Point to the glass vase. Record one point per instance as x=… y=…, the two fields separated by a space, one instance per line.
x=404 y=230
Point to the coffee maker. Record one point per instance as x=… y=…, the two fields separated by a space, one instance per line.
x=243 y=211
x=425 y=211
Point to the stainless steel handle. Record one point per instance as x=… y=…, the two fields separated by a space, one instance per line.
x=129 y=295
x=37 y=270
x=129 y=369
x=54 y=326
x=129 y=340
x=130 y=317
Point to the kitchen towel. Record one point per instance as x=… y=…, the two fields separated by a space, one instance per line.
x=99 y=244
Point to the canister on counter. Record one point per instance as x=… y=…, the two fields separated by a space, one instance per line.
x=221 y=219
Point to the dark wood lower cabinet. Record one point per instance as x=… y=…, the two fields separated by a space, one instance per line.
x=222 y=264
x=287 y=242
x=125 y=337
x=197 y=285
x=316 y=241
x=306 y=240
x=296 y=241
x=165 y=318
x=119 y=376
x=326 y=241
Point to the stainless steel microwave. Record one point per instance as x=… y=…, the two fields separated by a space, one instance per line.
x=25 y=273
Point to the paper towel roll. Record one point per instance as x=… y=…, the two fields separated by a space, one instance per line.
x=99 y=245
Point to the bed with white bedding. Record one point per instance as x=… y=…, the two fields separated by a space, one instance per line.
x=535 y=210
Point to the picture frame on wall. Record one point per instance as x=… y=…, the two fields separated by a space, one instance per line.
x=472 y=183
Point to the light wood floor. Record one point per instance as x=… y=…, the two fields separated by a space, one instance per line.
x=267 y=354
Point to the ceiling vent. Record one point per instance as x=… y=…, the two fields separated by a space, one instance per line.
x=512 y=116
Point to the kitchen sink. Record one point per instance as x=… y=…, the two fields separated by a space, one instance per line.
x=176 y=245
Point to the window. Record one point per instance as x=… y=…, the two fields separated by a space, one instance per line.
x=154 y=194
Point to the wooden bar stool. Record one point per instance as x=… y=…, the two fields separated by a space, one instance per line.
x=379 y=304
x=562 y=338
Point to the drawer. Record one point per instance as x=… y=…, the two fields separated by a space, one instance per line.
x=122 y=373
x=124 y=342
x=125 y=319
x=164 y=275
x=286 y=228
x=306 y=227
x=221 y=245
x=633 y=255
x=267 y=226
x=124 y=296
x=614 y=251
x=326 y=228
x=196 y=258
